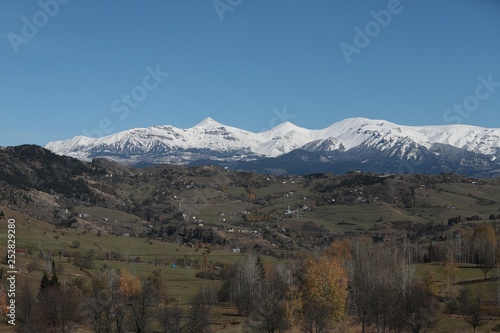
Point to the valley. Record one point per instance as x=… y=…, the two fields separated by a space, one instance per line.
x=194 y=226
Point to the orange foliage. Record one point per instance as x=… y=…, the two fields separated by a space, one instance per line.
x=129 y=285
x=340 y=249
x=325 y=285
x=485 y=233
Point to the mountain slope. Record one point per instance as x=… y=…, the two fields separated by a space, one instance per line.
x=354 y=141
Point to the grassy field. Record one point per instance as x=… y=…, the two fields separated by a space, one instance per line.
x=38 y=235
x=432 y=204
x=181 y=283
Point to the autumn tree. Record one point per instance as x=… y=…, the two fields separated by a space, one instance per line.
x=450 y=271
x=129 y=285
x=284 y=280
x=429 y=282
x=324 y=291
x=130 y=290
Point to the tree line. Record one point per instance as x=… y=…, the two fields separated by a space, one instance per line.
x=113 y=301
x=374 y=284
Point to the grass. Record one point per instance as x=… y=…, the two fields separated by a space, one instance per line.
x=206 y=204
x=181 y=283
x=99 y=213
x=35 y=234
x=457 y=324
x=430 y=206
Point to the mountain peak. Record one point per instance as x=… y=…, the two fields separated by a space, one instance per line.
x=285 y=127
x=208 y=122
x=361 y=137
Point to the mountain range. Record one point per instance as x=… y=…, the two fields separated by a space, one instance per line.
x=351 y=144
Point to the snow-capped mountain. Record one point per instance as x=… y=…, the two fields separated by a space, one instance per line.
x=359 y=143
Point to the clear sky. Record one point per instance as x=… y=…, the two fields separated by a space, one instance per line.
x=95 y=67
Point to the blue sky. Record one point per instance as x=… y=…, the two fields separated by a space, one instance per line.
x=248 y=64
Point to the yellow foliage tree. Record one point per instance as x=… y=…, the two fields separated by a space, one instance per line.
x=429 y=282
x=293 y=304
x=252 y=195
x=339 y=249
x=450 y=271
x=324 y=292
x=129 y=285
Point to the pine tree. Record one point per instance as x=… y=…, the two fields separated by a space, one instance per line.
x=44 y=283
x=54 y=280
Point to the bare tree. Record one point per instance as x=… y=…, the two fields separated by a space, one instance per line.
x=99 y=304
x=384 y=291
x=208 y=295
x=484 y=241
x=246 y=284
x=270 y=311
x=27 y=317
x=59 y=309
x=363 y=286
x=198 y=320
x=152 y=291
x=419 y=309
x=474 y=317
x=170 y=318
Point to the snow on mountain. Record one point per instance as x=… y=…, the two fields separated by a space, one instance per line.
x=472 y=138
x=212 y=140
x=379 y=133
x=326 y=145
x=284 y=138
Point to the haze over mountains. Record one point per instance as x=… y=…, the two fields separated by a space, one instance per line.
x=351 y=144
